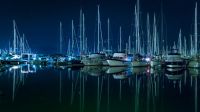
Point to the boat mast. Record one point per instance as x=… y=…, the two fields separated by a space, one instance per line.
x=86 y=44
x=148 y=37
x=15 y=37
x=9 y=47
x=108 y=34
x=81 y=31
x=69 y=48
x=162 y=29
x=23 y=45
x=129 y=44
x=61 y=37
x=98 y=35
x=73 y=37
x=101 y=37
x=185 y=46
x=180 y=41
x=195 y=31
x=191 y=45
x=155 y=36
x=137 y=27
x=120 y=38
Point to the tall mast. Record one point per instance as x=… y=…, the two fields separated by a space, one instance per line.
x=162 y=29
x=129 y=44
x=23 y=45
x=195 y=31
x=15 y=37
x=185 y=46
x=191 y=45
x=101 y=37
x=61 y=37
x=180 y=41
x=154 y=36
x=108 y=34
x=72 y=37
x=9 y=47
x=120 y=38
x=136 y=36
x=98 y=35
x=148 y=37
x=81 y=31
x=69 y=48
x=137 y=27
x=86 y=44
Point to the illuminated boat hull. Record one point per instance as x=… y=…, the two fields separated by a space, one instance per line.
x=117 y=63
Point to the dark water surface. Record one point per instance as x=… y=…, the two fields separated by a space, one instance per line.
x=98 y=89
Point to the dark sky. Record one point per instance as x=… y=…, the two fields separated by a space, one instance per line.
x=39 y=19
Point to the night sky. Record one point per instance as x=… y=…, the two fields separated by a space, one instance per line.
x=39 y=19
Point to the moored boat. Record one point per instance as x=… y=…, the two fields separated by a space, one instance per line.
x=140 y=61
x=194 y=62
x=95 y=59
x=174 y=59
x=118 y=59
x=156 y=61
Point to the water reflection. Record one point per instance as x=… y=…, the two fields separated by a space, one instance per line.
x=194 y=76
x=94 y=70
x=100 y=89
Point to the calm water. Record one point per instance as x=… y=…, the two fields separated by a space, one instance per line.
x=98 y=89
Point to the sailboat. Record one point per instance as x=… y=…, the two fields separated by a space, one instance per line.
x=156 y=60
x=94 y=59
x=138 y=60
x=195 y=60
x=73 y=61
x=60 y=59
x=14 y=58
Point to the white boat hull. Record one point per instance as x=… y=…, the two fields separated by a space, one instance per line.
x=117 y=63
x=175 y=66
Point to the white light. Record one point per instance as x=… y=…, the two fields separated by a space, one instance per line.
x=16 y=57
x=14 y=68
x=148 y=59
x=69 y=59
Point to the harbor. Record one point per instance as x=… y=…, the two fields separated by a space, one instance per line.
x=138 y=51
x=88 y=62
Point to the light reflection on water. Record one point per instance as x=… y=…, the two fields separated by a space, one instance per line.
x=98 y=89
